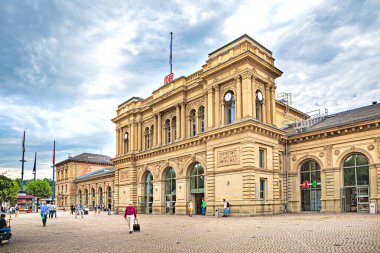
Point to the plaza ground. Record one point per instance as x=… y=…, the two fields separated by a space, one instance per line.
x=306 y=232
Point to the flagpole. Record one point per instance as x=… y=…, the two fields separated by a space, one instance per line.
x=22 y=164
x=35 y=165
x=171 y=49
x=53 y=195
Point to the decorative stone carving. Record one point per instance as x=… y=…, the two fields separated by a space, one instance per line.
x=328 y=150
x=224 y=88
x=377 y=143
x=371 y=147
x=124 y=175
x=195 y=104
x=202 y=156
x=294 y=158
x=168 y=115
x=148 y=123
x=228 y=157
x=156 y=170
x=352 y=148
x=337 y=152
x=321 y=154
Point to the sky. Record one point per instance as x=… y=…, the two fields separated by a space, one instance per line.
x=65 y=66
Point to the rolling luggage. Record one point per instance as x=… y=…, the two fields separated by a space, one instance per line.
x=136 y=226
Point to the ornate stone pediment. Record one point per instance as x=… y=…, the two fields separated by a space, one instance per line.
x=195 y=104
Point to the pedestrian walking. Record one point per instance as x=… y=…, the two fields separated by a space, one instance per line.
x=72 y=208
x=109 y=208
x=190 y=207
x=17 y=210
x=98 y=208
x=54 y=209
x=130 y=215
x=204 y=204
x=226 y=207
x=79 y=210
x=44 y=213
x=50 y=207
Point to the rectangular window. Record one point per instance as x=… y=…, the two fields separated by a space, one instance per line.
x=262 y=158
x=262 y=188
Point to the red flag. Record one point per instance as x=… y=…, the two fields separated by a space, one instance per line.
x=54 y=154
x=23 y=143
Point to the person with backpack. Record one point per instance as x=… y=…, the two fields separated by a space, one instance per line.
x=226 y=206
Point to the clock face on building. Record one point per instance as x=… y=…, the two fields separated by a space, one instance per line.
x=259 y=96
x=228 y=96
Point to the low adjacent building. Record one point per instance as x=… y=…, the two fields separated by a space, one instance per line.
x=73 y=169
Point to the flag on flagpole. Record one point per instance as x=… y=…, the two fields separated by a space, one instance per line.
x=54 y=154
x=35 y=163
x=23 y=143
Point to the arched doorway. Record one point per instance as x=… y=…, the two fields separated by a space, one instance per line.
x=146 y=200
x=109 y=199
x=93 y=197
x=170 y=191
x=197 y=186
x=86 y=197
x=310 y=186
x=356 y=183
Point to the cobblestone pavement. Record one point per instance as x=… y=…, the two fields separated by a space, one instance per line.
x=306 y=232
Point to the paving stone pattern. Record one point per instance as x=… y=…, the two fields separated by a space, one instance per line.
x=306 y=232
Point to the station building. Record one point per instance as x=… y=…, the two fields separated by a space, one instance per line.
x=86 y=178
x=223 y=133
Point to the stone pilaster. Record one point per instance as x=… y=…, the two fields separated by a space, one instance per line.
x=210 y=108
x=247 y=93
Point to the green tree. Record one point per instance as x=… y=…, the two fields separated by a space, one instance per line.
x=8 y=189
x=39 y=188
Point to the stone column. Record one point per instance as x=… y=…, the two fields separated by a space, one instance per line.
x=273 y=104
x=154 y=139
x=178 y=121
x=247 y=93
x=183 y=120
x=159 y=130
x=139 y=136
x=253 y=87
x=132 y=137
x=117 y=142
x=223 y=114
x=210 y=108
x=238 y=97
x=217 y=106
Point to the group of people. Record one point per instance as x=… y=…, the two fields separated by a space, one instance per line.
x=226 y=207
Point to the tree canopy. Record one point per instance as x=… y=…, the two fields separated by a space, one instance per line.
x=8 y=189
x=39 y=188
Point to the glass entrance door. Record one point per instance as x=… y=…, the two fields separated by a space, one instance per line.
x=363 y=200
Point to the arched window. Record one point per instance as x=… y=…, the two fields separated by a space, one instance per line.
x=356 y=183
x=93 y=197
x=86 y=196
x=356 y=170
x=201 y=114
x=170 y=191
x=148 y=193
x=167 y=131
x=174 y=125
x=126 y=143
x=151 y=136
x=100 y=196
x=147 y=138
x=259 y=106
x=310 y=185
x=229 y=103
x=109 y=190
x=80 y=196
x=193 y=123
x=197 y=179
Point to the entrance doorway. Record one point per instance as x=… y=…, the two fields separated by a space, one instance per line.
x=355 y=193
x=170 y=191
x=356 y=199
x=310 y=186
x=197 y=200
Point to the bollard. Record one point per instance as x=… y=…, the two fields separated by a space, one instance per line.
x=217 y=212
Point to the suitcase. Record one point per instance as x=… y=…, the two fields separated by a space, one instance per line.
x=136 y=226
